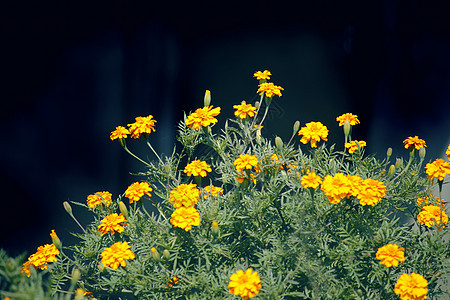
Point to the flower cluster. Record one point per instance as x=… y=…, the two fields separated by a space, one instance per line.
x=183 y=199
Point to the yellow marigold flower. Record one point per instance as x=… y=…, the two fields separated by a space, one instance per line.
x=414 y=141
x=262 y=75
x=448 y=152
x=113 y=223
x=98 y=198
x=336 y=187
x=143 y=125
x=242 y=177
x=137 y=190
x=354 y=181
x=245 y=284
x=44 y=255
x=202 y=117
x=411 y=287
x=439 y=168
x=390 y=255
x=246 y=161
x=244 y=110
x=185 y=218
x=311 y=180
x=213 y=191
x=184 y=195
x=120 y=133
x=269 y=89
x=370 y=191
x=116 y=255
x=313 y=132
x=351 y=118
x=352 y=146
x=431 y=214
x=197 y=168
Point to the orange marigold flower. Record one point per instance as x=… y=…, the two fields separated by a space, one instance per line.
x=336 y=187
x=370 y=191
x=351 y=118
x=390 y=255
x=411 y=287
x=311 y=180
x=173 y=281
x=137 y=190
x=213 y=191
x=184 y=195
x=116 y=255
x=245 y=284
x=431 y=214
x=262 y=75
x=120 y=133
x=113 y=223
x=313 y=132
x=143 y=125
x=354 y=181
x=352 y=146
x=98 y=198
x=414 y=141
x=439 y=168
x=448 y=152
x=39 y=260
x=269 y=89
x=246 y=161
x=244 y=110
x=202 y=117
x=185 y=217
x=197 y=168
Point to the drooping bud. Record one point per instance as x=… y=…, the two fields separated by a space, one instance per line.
x=389 y=153
x=55 y=239
x=422 y=153
x=155 y=254
x=67 y=207
x=296 y=127
x=123 y=209
x=215 y=228
x=166 y=254
x=279 y=143
x=207 y=99
x=391 y=171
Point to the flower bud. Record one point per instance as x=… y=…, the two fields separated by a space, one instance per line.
x=67 y=207
x=167 y=168
x=391 y=171
x=398 y=163
x=258 y=135
x=55 y=239
x=279 y=143
x=257 y=104
x=123 y=209
x=207 y=99
x=215 y=228
x=155 y=254
x=347 y=129
x=296 y=126
x=76 y=275
x=166 y=254
x=422 y=153
x=389 y=153
x=101 y=267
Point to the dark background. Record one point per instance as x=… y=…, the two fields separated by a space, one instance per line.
x=72 y=72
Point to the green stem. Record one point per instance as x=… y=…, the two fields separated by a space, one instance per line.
x=132 y=154
x=153 y=150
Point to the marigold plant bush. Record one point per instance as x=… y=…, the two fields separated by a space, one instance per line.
x=233 y=214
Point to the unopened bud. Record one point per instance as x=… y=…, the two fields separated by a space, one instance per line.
x=207 y=99
x=55 y=239
x=398 y=163
x=76 y=275
x=123 y=209
x=279 y=143
x=215 y=228
x=347 y=128
x=296 y=126
x=67 y=207
x=166 y=254
x=167 y=168
x=101 y=267
x=391 y=171
x=257 y=104
x=422 y=153
x=258 y=135
x=155 y=254
x=389 y=153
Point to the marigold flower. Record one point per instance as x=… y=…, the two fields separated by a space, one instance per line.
x=185 y=217
x=246 y=161
x=242 y=177
x=269 y=89
x=370 y=191
x=430 y=200
x=197 y=168
x=390 y=254
x=336 y=187
x=354 y=181
x=98 y=198
x=184 y=195
x=311 y=180
x=411 y=287
x=439 y=168
x=143 y=125
x=137 y=190
x=202 y=117
x=351 y=118
x=431 y=214
x=116 y=255
x=262 y=75
x=244 y=110
x=120 y=133
x=414 y=141
x=39 y=260
x=113 y=223
x=352 y=146
x=245 y=284
x=448 y=152
x=213 y=191
x=313 y=132
x=173 y=281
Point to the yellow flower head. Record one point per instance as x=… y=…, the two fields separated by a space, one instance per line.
x=414 y=141
x=99 y=198
x=116 y=255
x=336 y=187
x=173 y=281
x=352 y=146
x=39 y=260
x=112 y=223
x=390 y=255
x=311 y=180
x=244 y=110
x=185 y=217
x=262 y=75
x=197 y=168
x=184 y=195
x=213 y=191
x=137 y=190
x=313 y=132
x=439 y=168
x=448 y=152
x=370 y=191
x=141 y=126
x=351 y=118
x=431 y=214
x=354 y=181
x=202 y=117
x=245 y=284
x=120 y=133
x=269 y=89
x=411 y=287
x=246 y=161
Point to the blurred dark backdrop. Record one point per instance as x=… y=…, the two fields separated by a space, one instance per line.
x=72 y=72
